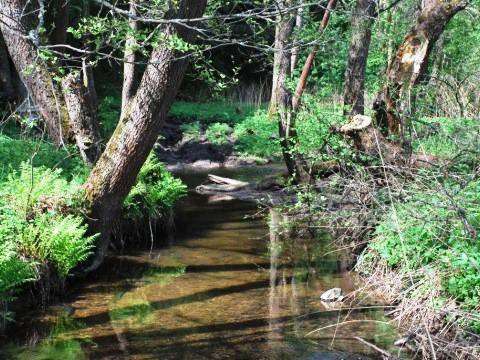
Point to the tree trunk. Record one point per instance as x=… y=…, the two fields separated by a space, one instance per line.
x=116 y=171
x=64 y=115
x=60 y=22
x=7 y=90
x=83 y=117
x=281 y=101
x=129 y=65
x=354 y=88
x=47 y=96
x=307 y=67
x=409 y=64
x=298 y=27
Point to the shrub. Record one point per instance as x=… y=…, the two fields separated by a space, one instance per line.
x=38 y=227
x=156 y=191
x=431 y=231
x=218 y=133
x=257 y=135
x=191 y=131
x=15 y=151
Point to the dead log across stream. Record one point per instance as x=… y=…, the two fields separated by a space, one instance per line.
x=222 y=184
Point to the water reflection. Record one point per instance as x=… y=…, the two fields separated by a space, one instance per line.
x=228 y=287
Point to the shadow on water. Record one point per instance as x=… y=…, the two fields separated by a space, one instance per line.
x=229 y=286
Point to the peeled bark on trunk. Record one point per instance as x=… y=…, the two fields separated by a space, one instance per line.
x=129 y=65
x=354 y=88
x=410 y=63
x=65 y=117
x=7 y=89
x=116 y=171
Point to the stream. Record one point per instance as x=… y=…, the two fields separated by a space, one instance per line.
x=226 y=287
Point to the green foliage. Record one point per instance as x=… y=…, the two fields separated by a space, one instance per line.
x=14 y=151
x=191 y=131
x=430 y=230
x=34 y=221
x=446 y=137
x=211 y=112
x=36 y=229
x=218 y=133
x=156 y=191
x=257 y=135
x=109 y=113
x=316 y=140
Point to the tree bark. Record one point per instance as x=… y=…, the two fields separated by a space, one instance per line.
x=83 y=117
x=410 y=62
x=281 y=100
x=65 y=117
x=60 y=22
x=298 y=27
x=116 y=171
x=129 y=65
x=354 y=88
x=7 y=89
x=47 y=96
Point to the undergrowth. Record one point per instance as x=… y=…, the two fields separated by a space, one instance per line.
x=42 y=222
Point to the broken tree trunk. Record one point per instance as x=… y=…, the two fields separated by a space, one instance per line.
x=222 y=184
x=137 y=131
x=410 y=63
x=354 y=87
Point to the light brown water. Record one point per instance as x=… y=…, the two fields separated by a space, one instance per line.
x=228 y=287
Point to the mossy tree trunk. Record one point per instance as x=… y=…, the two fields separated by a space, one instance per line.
x=63 y=119
x=409 y=65
x=116 y=171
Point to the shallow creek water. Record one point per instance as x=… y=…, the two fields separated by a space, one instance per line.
x=227 y=287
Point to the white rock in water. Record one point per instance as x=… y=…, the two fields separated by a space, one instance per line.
x=331 y=295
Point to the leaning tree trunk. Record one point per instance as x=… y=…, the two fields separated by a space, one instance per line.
x=307 y=67
x=116 y=171
x=7 y=90
x=354 y=88
x=410 y=63
x=61 y=122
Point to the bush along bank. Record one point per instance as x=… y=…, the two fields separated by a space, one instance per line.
x=415 y=234
x=43 y=235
